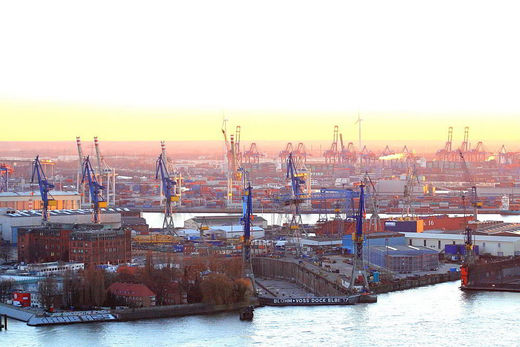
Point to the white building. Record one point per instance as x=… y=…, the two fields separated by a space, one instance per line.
x=494 y=245
x=53 y=268
x=11 y=220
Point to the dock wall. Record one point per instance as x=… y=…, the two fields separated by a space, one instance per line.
x=298 y=273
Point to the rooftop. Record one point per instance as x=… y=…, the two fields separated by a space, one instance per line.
x=461 y=237
x=37 y=213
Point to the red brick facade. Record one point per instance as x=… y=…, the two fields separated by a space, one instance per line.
x=92 y=247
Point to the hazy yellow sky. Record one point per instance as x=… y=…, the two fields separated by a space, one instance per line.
x=37 y=121
x=283 y=70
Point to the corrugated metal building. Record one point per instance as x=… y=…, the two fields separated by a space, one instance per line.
x=375 y=239
x=491 y=244
x=32 y=200
x=404 y=259
x=11 y=220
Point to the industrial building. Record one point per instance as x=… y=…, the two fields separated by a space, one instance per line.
x=374 y=239
x=12 y=220
x=502 y=246
x=209 y=221
x=404 y=259
x=32 y=200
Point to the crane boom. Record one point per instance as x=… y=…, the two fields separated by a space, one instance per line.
x=168 y=189
x=95 y=190
x=473 y=188
x=45 y=188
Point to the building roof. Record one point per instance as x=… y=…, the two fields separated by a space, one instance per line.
x=37 y=213
x=130 y=289
x=403 y=250
x=461 y=237
x=233 y=228
x=37 y=193
x=220 y=219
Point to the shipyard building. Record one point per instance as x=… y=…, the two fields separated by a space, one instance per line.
x=91 y=244
x=12 y=220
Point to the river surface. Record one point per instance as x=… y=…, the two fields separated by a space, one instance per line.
x=155 y=219
x=428 y=316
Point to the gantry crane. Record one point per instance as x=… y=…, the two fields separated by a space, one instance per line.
x=375 y=220
x=79 y=185
x=45 y=188
x=297 y=197
x=408 y=210
x=177 y=176
x=475 y=203
x=332 y=154
x=106 y=171
x=168 y=190
x=234 y=159
x=95 y=190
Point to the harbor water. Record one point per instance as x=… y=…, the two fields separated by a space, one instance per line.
x=435 y=315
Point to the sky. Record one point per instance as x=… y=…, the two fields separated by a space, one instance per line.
x=283 y=70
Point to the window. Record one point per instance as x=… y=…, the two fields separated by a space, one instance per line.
x=499 y=245
x=410 y=242
x=439 y=244
x=424 y=243
x=453 y=242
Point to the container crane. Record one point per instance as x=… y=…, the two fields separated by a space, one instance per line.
x=168 y=189
x=108 y=172
x=332 y=154
x=95 y=190
x=473 y=188
x=45 y=188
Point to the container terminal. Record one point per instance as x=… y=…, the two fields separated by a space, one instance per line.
x=384 y=220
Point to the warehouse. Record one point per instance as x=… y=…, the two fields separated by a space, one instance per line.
x=32 y=200
x=11 y=220
x=404 y=259
x=502 y=246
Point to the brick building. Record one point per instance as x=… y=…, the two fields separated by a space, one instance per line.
x=135 y=295
x=95 y=247
x=43 y=244
x=87 y=243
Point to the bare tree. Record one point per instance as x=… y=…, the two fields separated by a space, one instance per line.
x=48 y=290
x=6 y=286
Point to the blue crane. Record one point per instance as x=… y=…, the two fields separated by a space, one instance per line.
x=45 y=188
x=168 y=189
x=95 y=190
x=358 y=269
x=247 y=217
x=297 y=196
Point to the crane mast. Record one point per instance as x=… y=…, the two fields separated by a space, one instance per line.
x=95 y=190
x=233 y=159
x=358 y=268
x=45 y=188
x=168 y=190
x=79 y=184
x=296 y=198
x=247 y=215
x=110 y=173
